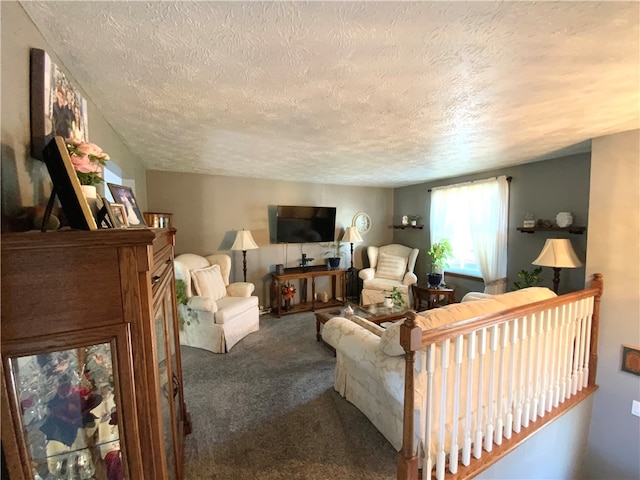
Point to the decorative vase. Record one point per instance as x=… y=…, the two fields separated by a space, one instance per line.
x=388 y=302
x=287 y=304
x=435 y=279
x=333 y=262
x=91 y=195
x=564 y=219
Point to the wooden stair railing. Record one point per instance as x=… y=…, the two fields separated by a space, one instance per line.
x=547 y=360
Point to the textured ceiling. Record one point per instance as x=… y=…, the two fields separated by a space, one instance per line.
x=362 y=93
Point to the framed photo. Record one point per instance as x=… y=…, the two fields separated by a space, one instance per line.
x=56 y=106
x=119 y=215
x=107 y=217
x=67 y=186
x=125 y=196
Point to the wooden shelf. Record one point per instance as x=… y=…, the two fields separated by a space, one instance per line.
x=402 y=227
x=576 y=230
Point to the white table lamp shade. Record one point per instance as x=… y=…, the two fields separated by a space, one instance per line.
x=351 y=235
x=558 y=252
x=244 y=241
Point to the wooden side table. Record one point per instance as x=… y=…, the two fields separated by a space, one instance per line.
x=431 y=297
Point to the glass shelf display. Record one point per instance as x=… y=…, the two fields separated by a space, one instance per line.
x=69 y=413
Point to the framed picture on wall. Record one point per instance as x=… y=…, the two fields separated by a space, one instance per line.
x=125 y=196
x=56 y=106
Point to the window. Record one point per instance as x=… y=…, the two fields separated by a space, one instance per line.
x=474 y=218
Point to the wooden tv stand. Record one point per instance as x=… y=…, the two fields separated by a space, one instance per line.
x=303 y=274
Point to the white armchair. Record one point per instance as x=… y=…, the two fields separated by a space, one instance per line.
x=220 y=314
x=390 y=266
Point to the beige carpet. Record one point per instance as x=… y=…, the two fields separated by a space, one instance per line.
x=267 y=410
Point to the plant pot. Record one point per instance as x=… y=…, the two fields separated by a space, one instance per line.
x=333 y=262
x=388 y=302
x=435 y=279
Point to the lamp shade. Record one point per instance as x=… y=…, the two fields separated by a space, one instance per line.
x=351 y=235
x=244 y=241
x=557 y=252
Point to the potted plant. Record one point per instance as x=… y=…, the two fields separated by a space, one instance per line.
x=528 y=279
x=440 y=252
x=333 y=254
x=393 y=298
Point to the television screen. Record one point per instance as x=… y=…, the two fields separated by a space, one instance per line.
x=297 y=224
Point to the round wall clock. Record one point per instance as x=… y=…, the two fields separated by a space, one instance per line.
x=362 y=222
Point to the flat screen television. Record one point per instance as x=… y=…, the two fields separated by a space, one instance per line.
x=298 y=224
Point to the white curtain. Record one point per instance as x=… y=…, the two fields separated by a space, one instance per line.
x=483 y=207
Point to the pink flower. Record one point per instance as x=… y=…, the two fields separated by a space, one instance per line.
x=84 y=164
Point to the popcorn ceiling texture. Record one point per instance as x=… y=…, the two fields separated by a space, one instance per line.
x=361 y=93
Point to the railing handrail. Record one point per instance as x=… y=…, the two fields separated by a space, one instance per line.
x=464 y=327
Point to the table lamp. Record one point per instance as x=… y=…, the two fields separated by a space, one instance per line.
x=244 y=241
x=557 y=253
x=351 y=236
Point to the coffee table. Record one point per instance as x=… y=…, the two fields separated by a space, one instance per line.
x=376 y=313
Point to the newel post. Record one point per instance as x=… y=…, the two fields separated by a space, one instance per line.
x=410 y=340
x=596 y=282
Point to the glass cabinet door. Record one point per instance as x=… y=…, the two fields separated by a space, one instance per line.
x=68 y=406
x=167 y=387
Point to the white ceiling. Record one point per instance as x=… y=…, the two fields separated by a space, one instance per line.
x=355 y=93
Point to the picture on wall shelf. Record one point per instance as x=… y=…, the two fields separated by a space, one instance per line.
x=124 y=195
x=57 y=107
x=67 y=186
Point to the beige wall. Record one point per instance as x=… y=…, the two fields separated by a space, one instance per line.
x=209 y=209
x=614 y=250
x=25 y=181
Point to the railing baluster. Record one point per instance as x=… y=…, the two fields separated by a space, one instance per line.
x=500 y=417
x=431 y=366
x=441 y=457
x=543 y=351
x=521 y=377
x=466 y=449
x=453 y=451
x=493 y=346
x=477 y=445
x=529 y=391
x=512 y=372
x=577 y=346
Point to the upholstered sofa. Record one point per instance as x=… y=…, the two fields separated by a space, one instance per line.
x=389 y=266
x=370 y=361
x=218 y=314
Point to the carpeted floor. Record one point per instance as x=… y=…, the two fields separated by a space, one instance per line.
x=267 y=410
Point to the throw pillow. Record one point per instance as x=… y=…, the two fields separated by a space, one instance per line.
x=207 y=282
x=391 y=267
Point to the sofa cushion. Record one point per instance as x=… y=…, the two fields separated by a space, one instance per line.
x=207 y=282
x=391 y=267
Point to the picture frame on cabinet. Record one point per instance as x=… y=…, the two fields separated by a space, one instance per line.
x=57 y=108
x=109 y=216
x=125 y=196
x=119 y=215
x=67 y=186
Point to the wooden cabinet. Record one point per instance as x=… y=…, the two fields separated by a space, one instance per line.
x=91 y=370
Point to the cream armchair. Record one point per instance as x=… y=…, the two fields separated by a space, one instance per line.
x=390 y=266
x=220 y=314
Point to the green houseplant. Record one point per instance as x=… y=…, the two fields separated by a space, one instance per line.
x=528 y=279
x=396 y=296
x=440 y=252
x=333 y=254
x=181 y=297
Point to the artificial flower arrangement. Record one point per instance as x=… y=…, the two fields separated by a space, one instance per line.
x=87 y=159
x=288 y=291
